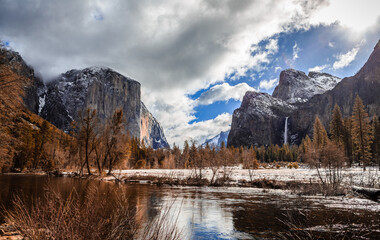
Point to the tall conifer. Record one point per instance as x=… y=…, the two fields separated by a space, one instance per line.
x=319 y=134
x=361 y=133
x=337 y=126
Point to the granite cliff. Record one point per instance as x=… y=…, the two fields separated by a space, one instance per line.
x=105 y=91
x=297 y=99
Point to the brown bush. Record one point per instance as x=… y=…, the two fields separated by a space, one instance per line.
x=97 y=216
x=329 y=162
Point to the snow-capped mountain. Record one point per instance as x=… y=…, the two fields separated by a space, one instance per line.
x=104 y=90
x=295 y=86
x=216 y=142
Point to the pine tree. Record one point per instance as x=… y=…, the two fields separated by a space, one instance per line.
x=337 y=126
x=41 y=137
x=361 y=133
x=193 y=154
x=376 y=139
x=320 y=138
x=186 y=154
x=347 y=138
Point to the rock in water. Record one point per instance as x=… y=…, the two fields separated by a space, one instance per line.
x=105 y=91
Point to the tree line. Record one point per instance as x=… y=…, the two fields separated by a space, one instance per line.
x=356 y=138
x=98 y=146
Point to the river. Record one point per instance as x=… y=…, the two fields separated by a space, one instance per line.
x=218 y=213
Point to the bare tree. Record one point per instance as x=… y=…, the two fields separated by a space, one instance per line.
x=331 y=160
x=88 y=135
x=249 y=161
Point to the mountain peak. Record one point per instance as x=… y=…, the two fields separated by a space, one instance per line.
x=295 y=86
x=371 y=68
x=216 y=142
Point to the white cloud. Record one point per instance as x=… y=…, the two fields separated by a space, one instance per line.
x=318 y=68
x=276 y=69
x=268 y=84
x=296 y=50
x=359 y=16
x=259 y=57
x=345 y=59
x=331 y=44
x=224 y=92
x=200 y=131
x=173 y=48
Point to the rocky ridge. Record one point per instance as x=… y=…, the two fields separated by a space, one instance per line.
x=151 y=131
x=216 y=142
x=259 y=120
x=295 y=86
x=303 y=97
x=104 y=90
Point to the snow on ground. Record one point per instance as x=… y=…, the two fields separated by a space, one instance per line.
x=352 y=176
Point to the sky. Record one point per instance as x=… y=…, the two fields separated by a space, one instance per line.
x=195 y=59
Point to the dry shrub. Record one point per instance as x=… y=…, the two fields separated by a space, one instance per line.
x=164 y=226
x=96 y=216
x=140 y=164
x=329 y=161
x=300 y=226
x=292 y=165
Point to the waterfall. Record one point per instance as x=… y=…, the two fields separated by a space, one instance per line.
x=286 y=131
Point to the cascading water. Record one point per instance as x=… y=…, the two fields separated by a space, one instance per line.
x=286 y=131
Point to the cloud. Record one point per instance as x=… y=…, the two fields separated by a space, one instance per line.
x=331 y=44
x=318 y=68
x=359 y=16
x=345 y=59
x=200 y=131
x=268 y=84
x=224 y=92
x=260 y=55
x=296 y=50
x=173 y=48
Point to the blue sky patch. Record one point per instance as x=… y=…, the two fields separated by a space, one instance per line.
x=317 y=48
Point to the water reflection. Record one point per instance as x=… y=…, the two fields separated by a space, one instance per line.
x=205 y=213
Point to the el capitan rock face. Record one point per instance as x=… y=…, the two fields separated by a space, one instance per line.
x=105 y=91
x=255 y=123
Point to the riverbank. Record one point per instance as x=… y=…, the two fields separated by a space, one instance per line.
x=350 y=176
x=260 y=208
x=300 y=181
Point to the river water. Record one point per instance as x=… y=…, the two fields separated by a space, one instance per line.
x=217 y=213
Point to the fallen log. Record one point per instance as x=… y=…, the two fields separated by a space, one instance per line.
x=371 y=193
